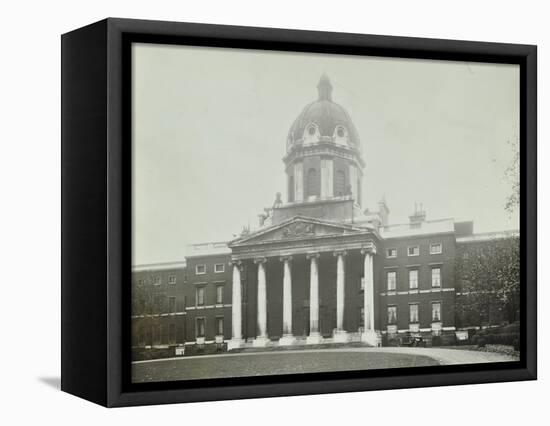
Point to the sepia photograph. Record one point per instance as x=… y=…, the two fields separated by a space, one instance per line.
x=300 y=213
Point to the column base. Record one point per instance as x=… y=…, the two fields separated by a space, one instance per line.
x=370 y=337
x=235 y=344
x=287 y=340
x=260 y=342
x=314 y=339
x=341 y=336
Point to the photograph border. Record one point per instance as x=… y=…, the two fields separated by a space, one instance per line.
x=96 y=350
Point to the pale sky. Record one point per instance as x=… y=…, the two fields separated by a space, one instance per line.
x=210 y=128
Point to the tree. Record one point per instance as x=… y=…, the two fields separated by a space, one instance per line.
x=488 y=273
x=145 y=310
x=512 y=175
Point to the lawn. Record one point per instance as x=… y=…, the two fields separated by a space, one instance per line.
x=266 y=363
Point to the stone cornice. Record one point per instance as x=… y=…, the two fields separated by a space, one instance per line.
x=324 y=148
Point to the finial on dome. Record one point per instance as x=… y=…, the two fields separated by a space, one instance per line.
x=325 y=88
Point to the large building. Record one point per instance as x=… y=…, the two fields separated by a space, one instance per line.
x=319 y=267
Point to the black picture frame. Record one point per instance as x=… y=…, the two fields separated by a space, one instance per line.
x=96 y=210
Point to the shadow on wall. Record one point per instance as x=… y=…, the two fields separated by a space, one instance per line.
x=54 y=382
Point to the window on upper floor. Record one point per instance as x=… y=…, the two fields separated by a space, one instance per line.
x=199 y=296
x=219 y=294
x=200 y=269
x=391 y=252
x=172 y=304
x=172 y=279
x=157 y=280
x=219 y=268
x=413 y=278
x=436 y=248
x=413 y=313
x=436 y=311
x=413 y=251
x=436 y=277
x=391 y=280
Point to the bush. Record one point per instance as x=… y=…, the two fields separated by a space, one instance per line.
x=481 y=342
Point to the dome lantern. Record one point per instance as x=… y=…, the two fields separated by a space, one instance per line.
x=323 y=158
x=325 y=88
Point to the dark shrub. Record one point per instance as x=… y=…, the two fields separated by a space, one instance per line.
x=481 y=342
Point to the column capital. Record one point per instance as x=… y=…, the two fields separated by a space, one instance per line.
x=235 y=262
x=340 y=253
x=314 y=255
x=260 y=259
x=285 y=258
x=368 y=248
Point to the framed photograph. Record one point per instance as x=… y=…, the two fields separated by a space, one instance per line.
x=254 y=212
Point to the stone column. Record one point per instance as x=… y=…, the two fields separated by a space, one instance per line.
x=261 y=338
x=340 y=335
x=236 y=306
x=314 y=335
x=369 y=334
x=288 y=338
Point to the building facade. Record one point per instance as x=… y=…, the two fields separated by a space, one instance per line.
x=319 y=267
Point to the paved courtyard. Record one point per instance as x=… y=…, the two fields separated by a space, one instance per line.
x=303 y=361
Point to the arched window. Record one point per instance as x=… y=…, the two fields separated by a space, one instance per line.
x=340 y=183
x=313 y=183
x=290 y=189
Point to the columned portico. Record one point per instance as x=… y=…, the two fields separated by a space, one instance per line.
x=287 y=338
x=340 y=335
x=314 y=335
x=236 y=308
x=287 y=261
x=369 y=334
x=261 y=337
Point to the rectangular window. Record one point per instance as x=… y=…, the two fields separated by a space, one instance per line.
x=436 y=311
x=157 y=280
x=200 y=269
x=172 y=334
x=391 y=252
x=200 y=326
x=157 y=334
x=413 y=251
x=219 y=326
x=159 y=303
x=413 y=313
x=219 y=267
x=362 y=285
x=172 y=279
x=413 y=278
x=436 y=248
x=361 y=316
x=172 y=304
x=199 y=296
x=391 y=280
x=219 y=294
x=392 y=315
x=436 y=277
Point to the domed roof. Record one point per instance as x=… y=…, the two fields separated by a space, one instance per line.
x=326 y=115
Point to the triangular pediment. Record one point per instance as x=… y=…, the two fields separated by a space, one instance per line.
x=298 y=228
